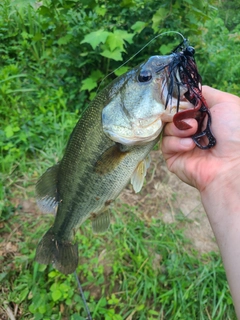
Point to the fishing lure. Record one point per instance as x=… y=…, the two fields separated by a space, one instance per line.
x=183 y=60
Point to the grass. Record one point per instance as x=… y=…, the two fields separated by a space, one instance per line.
x=138 y=270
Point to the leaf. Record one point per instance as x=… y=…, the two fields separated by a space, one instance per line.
x=13 y=77
x=64 y=40
x=42 y=309
x=53 y=274
x=100 y=11
x=114 y=41
x=23 y=294
x=115 y=55
x=138 y=26
x=153 y=312
x=76 y=316
x=64 y=287
x=41 y=267
x=165 y=49
x=32 y=308
x=56 y=295
x=158 y=17
x=3 y=275
x=37 y=37
x=128 y=3
x=44 y=11
x=96 y=37
x=22 y=3
x=54 y=287
x=140 y=307
x=88 y=84
x=26 y=35
x=91 y=82
x=9 y=130
x=124 y=35
x=92 y=95
x=121 y=71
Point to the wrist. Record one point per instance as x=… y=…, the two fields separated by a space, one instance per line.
x=221 y=200
x=223 y=191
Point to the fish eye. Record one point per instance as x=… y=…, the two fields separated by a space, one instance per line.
x=145 y=76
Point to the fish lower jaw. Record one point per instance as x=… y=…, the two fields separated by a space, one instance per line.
x=134 y=139
x=168 y=114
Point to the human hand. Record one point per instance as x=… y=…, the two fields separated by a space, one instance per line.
x=200 y=167
x=216 y=174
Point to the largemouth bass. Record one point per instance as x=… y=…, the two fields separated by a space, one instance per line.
x=108 y=147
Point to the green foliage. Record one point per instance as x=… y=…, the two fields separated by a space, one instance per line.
x=219 y=58
x=137 y=269
x=229 y=12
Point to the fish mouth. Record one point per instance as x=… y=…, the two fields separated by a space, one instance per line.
x=137 y=135
x=142 y=131
x=173 y=94
x=172 y=88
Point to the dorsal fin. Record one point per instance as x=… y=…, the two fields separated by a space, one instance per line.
x=46 y=190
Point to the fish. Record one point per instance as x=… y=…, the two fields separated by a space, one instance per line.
x=108 y=147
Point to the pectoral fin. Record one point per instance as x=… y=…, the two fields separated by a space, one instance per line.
x=46 y=190
x=139 y=174
x=110 y=159
x=101 y=222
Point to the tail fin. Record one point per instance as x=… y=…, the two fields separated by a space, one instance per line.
x=61 y=253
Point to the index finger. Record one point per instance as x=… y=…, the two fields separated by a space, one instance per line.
x=214 y=96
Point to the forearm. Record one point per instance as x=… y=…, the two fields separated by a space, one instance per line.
x=221 y=201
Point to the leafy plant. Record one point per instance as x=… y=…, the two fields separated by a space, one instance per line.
x=219 y=61
x=138 y=269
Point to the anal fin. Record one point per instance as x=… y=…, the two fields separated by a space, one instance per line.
x=101 y=222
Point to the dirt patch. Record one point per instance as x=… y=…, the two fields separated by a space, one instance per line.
x=165 y=197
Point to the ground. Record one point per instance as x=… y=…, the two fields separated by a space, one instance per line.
x=165 y=196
